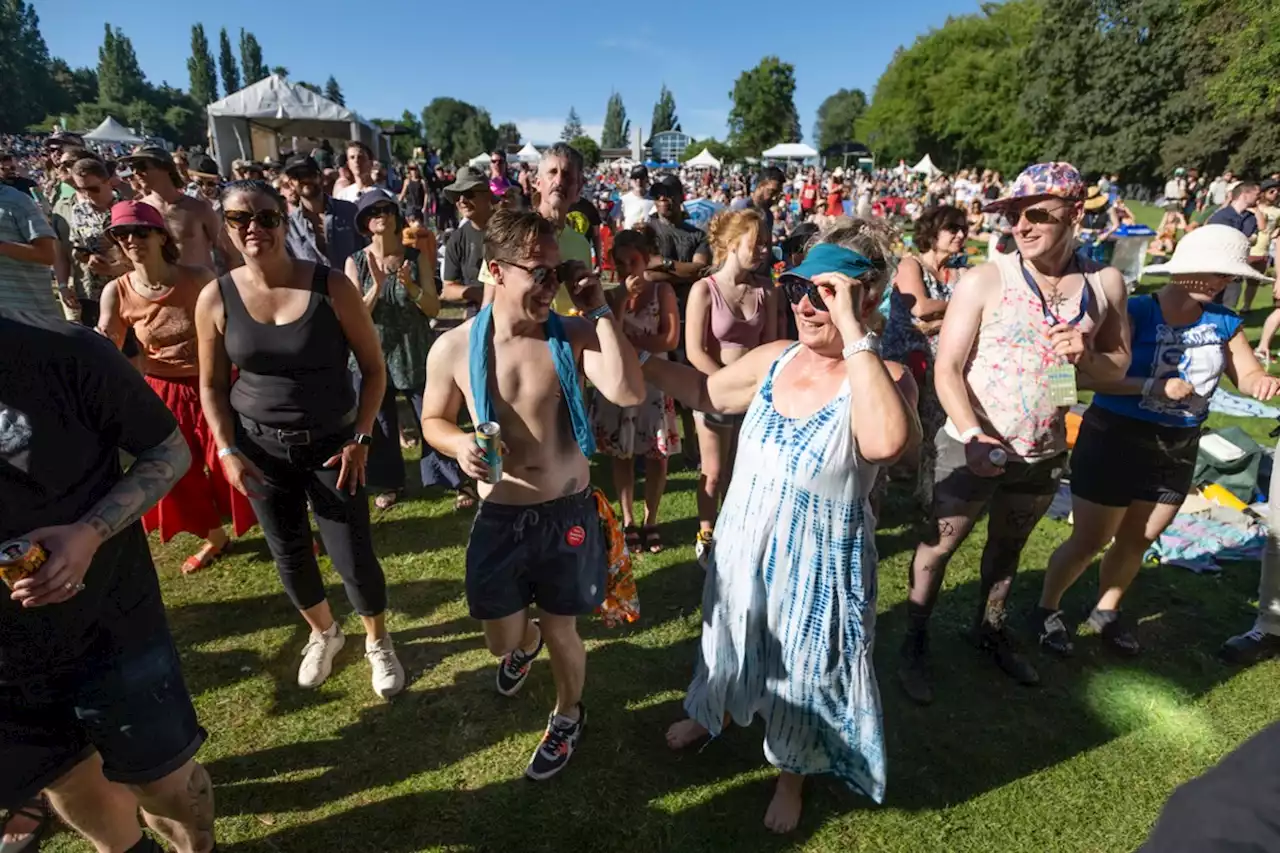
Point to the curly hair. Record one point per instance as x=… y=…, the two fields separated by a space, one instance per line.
x=728 y=227
x=935 y=220
x=872 y=238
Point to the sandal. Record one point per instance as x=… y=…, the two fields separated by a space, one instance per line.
x=631 y=537
x=652 y=539
x=386 y=500
x=202 y=559
x=37 y=810
x=467 y=497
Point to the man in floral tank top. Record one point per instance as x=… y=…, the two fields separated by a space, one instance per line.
x=1016 y=332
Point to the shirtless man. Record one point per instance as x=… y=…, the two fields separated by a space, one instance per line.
x=1013 y=326
x=191 y=221
x=537 y=537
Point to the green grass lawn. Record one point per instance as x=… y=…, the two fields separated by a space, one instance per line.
x=1081 y=764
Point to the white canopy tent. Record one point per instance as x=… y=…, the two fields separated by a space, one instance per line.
x=528 y=154
x=704 y=160
x=926 y=167
x=789 y=151
x=273 y=107
x=480 y=161
x=113 y=131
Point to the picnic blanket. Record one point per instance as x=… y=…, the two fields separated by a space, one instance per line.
x=1199 y=541
x=1225 y=403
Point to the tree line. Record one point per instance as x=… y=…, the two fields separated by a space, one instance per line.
x=1134 y=87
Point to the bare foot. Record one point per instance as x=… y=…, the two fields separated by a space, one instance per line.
x=685 y=733
x=784 y=809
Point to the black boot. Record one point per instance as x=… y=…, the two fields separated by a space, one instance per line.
x=913 y=670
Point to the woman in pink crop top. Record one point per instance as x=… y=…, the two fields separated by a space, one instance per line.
x=728 y=315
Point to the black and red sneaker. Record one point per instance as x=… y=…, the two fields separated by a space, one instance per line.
x=514 y=669
x=557 y=746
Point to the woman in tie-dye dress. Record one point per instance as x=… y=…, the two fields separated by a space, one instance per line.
x=790 y=597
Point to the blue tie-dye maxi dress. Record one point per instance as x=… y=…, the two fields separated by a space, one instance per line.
x=789 y=605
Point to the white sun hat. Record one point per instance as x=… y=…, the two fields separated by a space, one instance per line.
x=1218 y=249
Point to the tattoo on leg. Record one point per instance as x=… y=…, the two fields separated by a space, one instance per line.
x=945 y=528
x=188 y=822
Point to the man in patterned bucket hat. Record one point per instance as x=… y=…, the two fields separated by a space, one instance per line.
x=1021 y=333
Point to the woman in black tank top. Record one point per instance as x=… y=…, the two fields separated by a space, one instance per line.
x=275 y=336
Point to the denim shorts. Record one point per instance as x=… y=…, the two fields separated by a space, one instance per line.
x=550 y=554
x=134 y=710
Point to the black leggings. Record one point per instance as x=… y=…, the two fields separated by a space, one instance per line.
x=295 y=474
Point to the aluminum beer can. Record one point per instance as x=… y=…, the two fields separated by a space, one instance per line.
x=489 y=438
x=19 y=558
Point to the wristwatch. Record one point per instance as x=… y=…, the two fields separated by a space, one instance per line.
x=869 y=341
x=363 y=439
x=668 y=265
x=597 y=313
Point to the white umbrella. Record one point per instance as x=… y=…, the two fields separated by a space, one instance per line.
x=789 y=151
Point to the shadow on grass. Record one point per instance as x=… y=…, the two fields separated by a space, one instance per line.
x=626 y=791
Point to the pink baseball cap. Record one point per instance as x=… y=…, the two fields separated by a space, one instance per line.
x=136 y=213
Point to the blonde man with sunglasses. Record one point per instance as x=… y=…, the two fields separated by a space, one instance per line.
x=1017 y=331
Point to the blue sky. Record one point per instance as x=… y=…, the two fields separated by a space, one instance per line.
x=524 y=62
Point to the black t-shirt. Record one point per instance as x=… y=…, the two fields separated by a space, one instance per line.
x=23 y=185
x=679 y=242
x=463 y=254
x=69 y=403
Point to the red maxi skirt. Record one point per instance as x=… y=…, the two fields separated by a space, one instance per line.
x=203 y=498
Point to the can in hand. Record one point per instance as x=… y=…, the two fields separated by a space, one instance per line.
x=998 y=457
x=489 y=439
x=20 y=558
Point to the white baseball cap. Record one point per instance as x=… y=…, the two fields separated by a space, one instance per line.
x=1218 y=249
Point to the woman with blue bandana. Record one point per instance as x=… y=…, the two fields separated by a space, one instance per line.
x=789 y=600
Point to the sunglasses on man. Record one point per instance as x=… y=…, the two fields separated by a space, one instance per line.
x=1034 y=215
x=240 y=219
x=544 y=274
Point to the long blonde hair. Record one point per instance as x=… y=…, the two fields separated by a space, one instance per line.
x=728 y=227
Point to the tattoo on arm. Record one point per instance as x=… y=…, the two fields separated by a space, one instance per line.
x=148 y=479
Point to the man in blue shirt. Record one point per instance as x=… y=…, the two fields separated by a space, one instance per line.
x=321 y=228
x=1237 y=214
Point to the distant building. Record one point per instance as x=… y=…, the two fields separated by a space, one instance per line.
x=669 y=146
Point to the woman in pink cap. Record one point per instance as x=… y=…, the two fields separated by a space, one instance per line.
x=158 y=301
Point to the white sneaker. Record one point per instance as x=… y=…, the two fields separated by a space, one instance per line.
x=318 y=655
x=388 y=673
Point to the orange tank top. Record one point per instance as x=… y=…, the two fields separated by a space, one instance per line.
x=165 y=327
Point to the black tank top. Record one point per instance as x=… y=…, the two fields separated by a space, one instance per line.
x=292 y=376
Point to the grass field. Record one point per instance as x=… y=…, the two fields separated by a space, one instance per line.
x=1081 y=764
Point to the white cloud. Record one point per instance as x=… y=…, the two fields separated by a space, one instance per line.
x=541 y=130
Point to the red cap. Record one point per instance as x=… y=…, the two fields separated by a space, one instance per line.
x=136 y=213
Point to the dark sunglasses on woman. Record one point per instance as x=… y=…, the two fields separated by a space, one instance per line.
x=797 y=288
x=382 y=210
x=120 y=232
x=240 y=219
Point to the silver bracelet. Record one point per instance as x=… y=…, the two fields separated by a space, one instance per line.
x=224 y=452
x=598 y=313
x=869 y=342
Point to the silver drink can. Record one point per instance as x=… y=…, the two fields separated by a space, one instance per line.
x=489 y=438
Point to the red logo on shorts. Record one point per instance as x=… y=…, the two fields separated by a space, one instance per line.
x=575 y=536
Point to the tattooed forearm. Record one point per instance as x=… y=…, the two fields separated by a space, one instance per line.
x=148 y=479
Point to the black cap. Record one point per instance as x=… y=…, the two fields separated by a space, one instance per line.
x=204 y=166
x=639 y=173
x=667 y=185
x=300 y=162
x=149 y=152
x=1269 y=184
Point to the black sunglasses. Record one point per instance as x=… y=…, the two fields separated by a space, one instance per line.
x=382 y=210
x=797 y=288
x=540 y=274
x=474 y=192
x=240 y=219
x=120 y=232
x=1034 y=215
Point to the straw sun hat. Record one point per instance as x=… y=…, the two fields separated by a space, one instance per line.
x=1215 y=249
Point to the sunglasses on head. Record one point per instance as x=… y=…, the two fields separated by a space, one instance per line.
x=138 y=232
x=240 y=219
x=797 y=288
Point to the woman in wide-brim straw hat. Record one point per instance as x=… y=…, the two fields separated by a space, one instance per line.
x=1134 y=459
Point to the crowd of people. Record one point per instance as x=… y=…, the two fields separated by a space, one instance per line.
x=246 y=342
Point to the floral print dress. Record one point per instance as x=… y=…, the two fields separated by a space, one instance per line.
x=649 y=429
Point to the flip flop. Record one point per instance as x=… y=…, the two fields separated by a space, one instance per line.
x=37 y=810
x=631 y=537
x=202 y=559
x=652 y=539
x=467 y=497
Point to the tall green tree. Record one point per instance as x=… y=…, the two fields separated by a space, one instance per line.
x=588 y=148
x=252 y=68
x=72 y=86
x=664 y=113
x=837 y=117
x=764 y=108
x=508 y=134
x=201 y=68
x=572 y=126
x=458 y=129
x=28 y=91
x=617 y=127
x=333 y=91
x=227 y=64
x=120 y=78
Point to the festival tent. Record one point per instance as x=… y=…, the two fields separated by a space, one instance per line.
x=528 y=154
x=704 y=160
x=789 y=151
x=925 y=166
x=113 y=131
x=247 y=124
x=480 y=161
